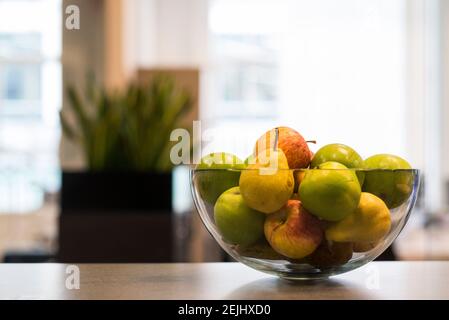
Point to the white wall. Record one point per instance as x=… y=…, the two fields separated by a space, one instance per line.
x=82 y=51
x=166 y=32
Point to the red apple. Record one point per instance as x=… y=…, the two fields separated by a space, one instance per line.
x=290 y=142
x=292 y=231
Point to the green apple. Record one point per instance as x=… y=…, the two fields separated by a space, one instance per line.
x=339 y=153
x=216 y=173
x=330 y=192
x=390 y=183
x=237 y=223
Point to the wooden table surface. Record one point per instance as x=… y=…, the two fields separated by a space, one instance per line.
x=378 y=280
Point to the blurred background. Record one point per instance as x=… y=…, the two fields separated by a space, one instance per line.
x=370 y=74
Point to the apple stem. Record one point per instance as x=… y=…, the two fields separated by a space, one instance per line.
x=276 y=138
x=311 y=141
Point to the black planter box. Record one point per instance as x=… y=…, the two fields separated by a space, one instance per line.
x=118 y=191
x=116 y=217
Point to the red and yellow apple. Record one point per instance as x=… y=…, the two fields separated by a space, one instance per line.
x=290 y=142
x=292 y=231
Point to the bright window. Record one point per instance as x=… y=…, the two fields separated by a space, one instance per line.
x=30 y=97
x=334 y=70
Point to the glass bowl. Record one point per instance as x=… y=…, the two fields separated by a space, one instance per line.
x=302 y=240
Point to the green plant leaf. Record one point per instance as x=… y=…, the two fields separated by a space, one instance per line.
x=128 y=130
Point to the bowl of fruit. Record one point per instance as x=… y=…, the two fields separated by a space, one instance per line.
x=298 y=215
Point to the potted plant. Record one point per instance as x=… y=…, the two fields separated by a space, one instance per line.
x=127 y=185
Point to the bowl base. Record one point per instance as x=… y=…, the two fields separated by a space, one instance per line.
x=303 y=278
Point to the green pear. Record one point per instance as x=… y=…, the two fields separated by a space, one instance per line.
x=216 y=173
x=391 y=182
x=330 y=192
x=237 y=223
x=267 y=184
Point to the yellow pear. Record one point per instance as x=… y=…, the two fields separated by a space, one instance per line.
x=267 y=184
x=370 y=222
